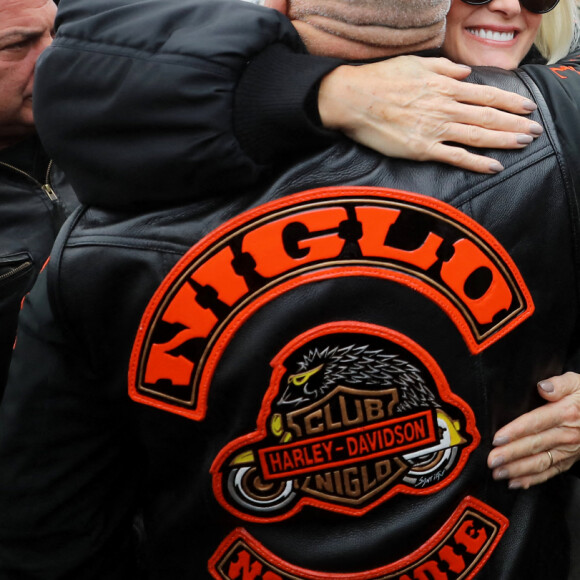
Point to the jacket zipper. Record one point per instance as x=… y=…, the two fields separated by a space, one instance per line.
x=47 y=187
x=16 y=271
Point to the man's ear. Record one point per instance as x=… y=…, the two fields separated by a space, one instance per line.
x=280 y=5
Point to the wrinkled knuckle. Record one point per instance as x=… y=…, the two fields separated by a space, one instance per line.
x=417 y=145
x=537 y=447
x=571 y=413
x=571 y=378
x=421 y=152
x=444 y=61
x=489 y=95
x=456 y=155
x=474 y=135
x=487 y=116
x=425 y=136
x=438 y=84
x=570 y=436
x=440 y=129
x=543 y=477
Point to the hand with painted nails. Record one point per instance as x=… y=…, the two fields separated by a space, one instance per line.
x=544 y=442
x=417 y=108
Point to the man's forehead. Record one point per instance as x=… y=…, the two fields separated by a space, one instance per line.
x=17 y=8
x=22 y=16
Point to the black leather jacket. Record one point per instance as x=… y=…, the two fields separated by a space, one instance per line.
x=35 y=199
x=296 y=382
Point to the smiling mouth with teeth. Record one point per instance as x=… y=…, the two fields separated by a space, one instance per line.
x=491 y=34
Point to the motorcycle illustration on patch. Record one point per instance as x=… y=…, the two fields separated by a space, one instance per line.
x=354 y=414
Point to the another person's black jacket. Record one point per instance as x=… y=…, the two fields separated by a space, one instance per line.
x=35 y=199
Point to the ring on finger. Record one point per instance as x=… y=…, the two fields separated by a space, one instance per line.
x=551 y=459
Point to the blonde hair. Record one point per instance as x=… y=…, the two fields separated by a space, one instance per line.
x=559 y=32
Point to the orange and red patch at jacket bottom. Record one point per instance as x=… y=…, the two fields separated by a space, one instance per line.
x=458 y=550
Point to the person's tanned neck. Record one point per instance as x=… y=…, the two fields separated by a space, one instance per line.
x=368 y=29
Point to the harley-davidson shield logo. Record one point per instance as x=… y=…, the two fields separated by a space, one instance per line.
x=354 y=414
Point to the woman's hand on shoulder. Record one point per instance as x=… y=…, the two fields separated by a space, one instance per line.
x=418 y=108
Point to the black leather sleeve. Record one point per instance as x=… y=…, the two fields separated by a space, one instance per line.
x=89 y=506
x=559 y=85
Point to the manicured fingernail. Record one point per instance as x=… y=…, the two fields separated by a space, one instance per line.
x=500 y=440
x=469 y=68
x=496 y=167
x=497 y=462
x=514 y=485
x=529 y=105
x=536 y=129
x=501 y=474
x=546 y=386
x=523 y=139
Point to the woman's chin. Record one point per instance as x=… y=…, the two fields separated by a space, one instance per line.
x=495 y=56
x=504 y=61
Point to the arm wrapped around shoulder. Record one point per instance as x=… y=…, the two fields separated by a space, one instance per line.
x=134 y=98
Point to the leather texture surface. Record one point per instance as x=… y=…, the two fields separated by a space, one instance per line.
x=119 y=293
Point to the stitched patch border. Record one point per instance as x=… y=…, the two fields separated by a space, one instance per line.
x=300 y=239
x=457 y=551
